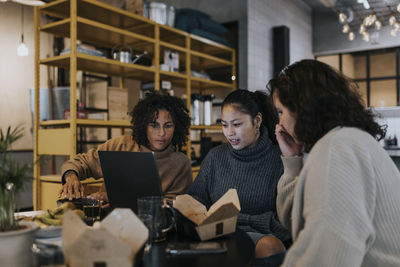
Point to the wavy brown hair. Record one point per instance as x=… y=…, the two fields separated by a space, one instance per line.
x=146 y=111
x=322 y=99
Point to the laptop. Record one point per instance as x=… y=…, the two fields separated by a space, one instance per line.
x=128 y=176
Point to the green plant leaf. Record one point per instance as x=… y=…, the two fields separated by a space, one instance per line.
x=10 y=170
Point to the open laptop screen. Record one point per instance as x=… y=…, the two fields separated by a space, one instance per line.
x=128 y=176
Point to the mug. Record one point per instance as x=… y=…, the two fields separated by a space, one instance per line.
x=162 y=214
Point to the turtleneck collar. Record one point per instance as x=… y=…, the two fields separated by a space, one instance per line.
x=250 y=153
x=158 y=155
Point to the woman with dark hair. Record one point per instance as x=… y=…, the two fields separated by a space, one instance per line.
x=250 y=163
x=160 y=124
x=341 y=202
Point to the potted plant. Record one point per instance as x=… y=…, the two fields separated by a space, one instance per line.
x=15 y=238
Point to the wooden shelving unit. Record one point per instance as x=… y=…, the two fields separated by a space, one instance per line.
x=99 y=24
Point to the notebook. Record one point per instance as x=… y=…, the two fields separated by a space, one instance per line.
x=128 y=176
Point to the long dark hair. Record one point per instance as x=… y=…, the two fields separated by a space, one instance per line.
x=321 y=99
x=252 y=103
x=146 y=111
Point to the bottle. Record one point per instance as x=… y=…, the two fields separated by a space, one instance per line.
x=81 y=113
x=394 y=140
x=195 y=108
x=207 y=109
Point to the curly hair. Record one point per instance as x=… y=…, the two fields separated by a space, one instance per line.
x=321 y=99
x=252 y=103
x=146 y=111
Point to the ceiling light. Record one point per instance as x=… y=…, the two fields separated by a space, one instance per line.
x=369 y=20
x=346 y=16
x=342 y=17
x=351 y=36
x=366 y=21
x=368 y=26
x=378 y=25
x=22 y=49
x=366 y=36
x=362 y=29
x=373 y=18
x=346 y=28
x=392 y=19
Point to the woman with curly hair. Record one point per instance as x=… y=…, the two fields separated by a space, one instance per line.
x=160 y=124
x=341 y=201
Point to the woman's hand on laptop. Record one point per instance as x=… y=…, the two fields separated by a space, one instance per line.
x=72 y=187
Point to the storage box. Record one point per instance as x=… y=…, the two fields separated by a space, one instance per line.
x=134 y=6
x=114 y=242
x=118 y=104
x=194 y=220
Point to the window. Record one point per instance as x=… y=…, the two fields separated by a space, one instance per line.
x=332 y=61
x=383 y=64
x=375 y=72
x=383 y=93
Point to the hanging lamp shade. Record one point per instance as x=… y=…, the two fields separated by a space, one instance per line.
x=22 y=49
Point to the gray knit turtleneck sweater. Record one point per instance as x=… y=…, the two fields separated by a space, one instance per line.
x=254 y=172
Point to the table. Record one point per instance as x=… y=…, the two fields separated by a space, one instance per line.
x=240 y=252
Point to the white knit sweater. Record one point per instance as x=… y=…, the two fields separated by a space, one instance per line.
x=343 y=205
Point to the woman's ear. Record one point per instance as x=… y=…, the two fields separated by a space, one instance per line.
x=258 y=120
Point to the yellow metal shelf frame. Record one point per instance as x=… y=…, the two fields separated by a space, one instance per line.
x=96 y=23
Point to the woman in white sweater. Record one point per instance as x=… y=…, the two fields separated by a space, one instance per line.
x=341 y=202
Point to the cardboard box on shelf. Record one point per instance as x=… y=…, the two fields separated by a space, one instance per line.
x=118 y=104
x=120 y=101
x=194 y=219
x=134 y=6
x=114 y=242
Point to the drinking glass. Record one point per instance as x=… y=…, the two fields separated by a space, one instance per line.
x=92 y=212
x=147 y=220
x=162 y=216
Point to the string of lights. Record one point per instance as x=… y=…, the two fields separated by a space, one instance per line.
x=367 y=17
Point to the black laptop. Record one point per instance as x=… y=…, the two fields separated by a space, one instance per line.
x=128 y=176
